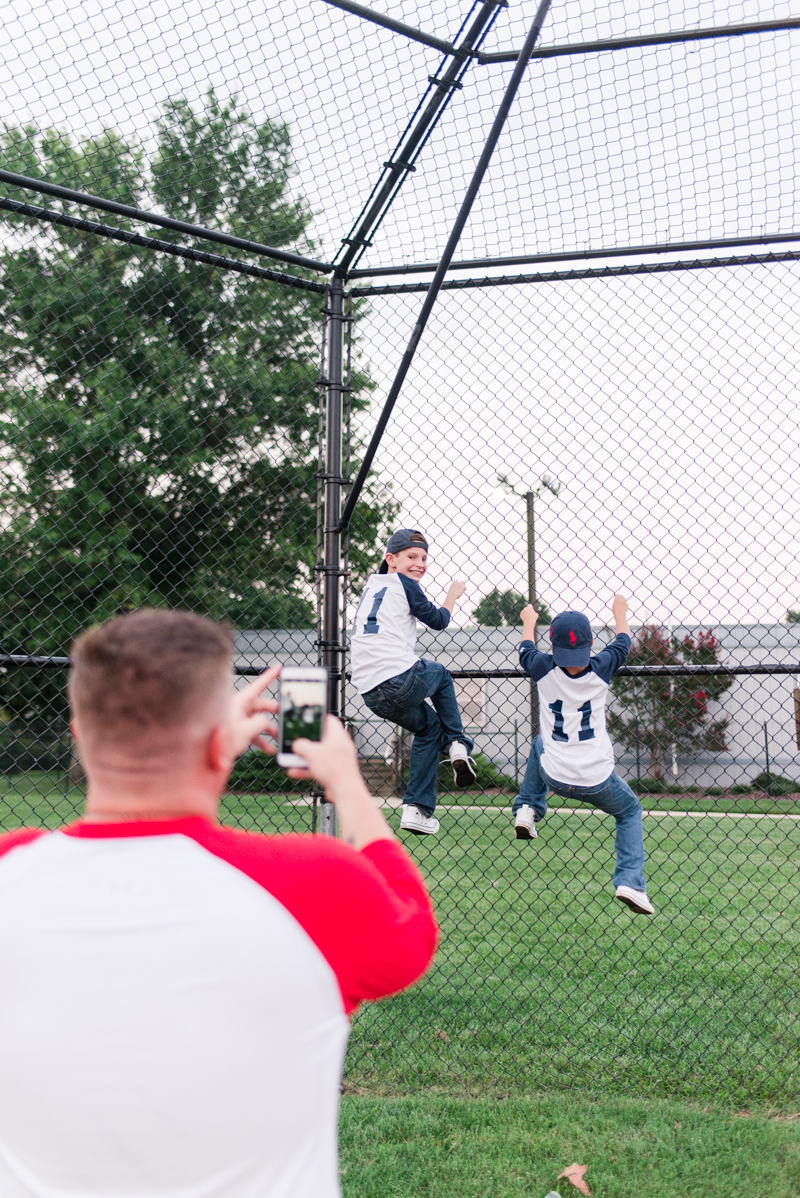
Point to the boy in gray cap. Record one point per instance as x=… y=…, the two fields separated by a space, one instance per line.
x=394 y=682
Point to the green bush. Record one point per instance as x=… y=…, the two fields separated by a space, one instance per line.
x=489 y=776
x=714 y=790
x=256 y=773
x=774 y=784
x=744 y=789
x=649 y=786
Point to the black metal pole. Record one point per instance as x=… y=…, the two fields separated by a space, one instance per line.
x=529 y=500
x=378 y=18
x=413 y=139
x=450 y=248
x=153 y=218
x=331 y=646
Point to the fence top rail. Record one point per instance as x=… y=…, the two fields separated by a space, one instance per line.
x=166 y=222
x=646 y=39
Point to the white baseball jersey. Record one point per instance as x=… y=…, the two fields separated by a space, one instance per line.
x=173 y=1001
x=384 y=632
x=577 y=749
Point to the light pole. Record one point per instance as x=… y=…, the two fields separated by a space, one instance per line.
x=546 y=483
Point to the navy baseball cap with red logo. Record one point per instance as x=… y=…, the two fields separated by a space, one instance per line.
x=571 y=634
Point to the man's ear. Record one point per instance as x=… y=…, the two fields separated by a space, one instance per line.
x=219 y=757
x=73 y=727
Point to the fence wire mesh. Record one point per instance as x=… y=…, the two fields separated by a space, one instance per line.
x=169 y=423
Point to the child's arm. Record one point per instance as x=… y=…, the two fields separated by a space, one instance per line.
x=454 y=593
x=530 y=618
x=619 y=610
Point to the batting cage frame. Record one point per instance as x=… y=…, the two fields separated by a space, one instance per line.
x=621 y=1017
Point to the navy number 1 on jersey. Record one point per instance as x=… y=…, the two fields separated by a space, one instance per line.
x=372 y=624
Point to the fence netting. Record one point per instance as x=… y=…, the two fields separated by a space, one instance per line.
x=569 y=429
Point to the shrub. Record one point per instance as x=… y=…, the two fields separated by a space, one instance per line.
x=774 y=784
x=256 y=773
x=489 y=776
x=714 y=790
x=744 y=789
x=649 y=786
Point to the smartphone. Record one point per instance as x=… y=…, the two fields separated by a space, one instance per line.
x=303 y=703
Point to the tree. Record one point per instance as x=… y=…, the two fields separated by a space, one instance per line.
x=160 y=430
x=500 y=608
x=665 y=714
x=792 y=617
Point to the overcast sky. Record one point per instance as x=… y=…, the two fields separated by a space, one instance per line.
x=666 y=405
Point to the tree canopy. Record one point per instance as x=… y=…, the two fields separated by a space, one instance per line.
x=159 y=438
x=501 y=609
x=663 y=714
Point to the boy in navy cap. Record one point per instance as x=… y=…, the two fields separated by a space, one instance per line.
x=574 y=756
x=395 y=683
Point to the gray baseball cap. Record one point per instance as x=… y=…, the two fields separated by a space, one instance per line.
x=404 y=538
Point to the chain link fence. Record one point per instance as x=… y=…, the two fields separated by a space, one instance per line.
x=218 y=230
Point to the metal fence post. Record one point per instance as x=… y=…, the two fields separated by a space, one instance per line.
x=330 y=642
x=532 y=599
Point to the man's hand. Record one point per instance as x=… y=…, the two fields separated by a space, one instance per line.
x=250 y=724
x=334 y=763
x=619 y=610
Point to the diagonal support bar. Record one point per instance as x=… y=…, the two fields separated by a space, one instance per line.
x=378 y=18
x=450 y=248
x=416 y=134
x=166 y=222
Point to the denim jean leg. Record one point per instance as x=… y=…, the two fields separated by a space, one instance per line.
x=423 y=773
x=442 y=695
x=534 y=787
x=618 y=799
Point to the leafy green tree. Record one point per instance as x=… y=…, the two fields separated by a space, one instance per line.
x=160 y=431
x=792 y=617
x=663 y=714
x=501 y=608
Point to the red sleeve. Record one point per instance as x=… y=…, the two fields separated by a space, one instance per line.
x=368 y=913
x=10 y=840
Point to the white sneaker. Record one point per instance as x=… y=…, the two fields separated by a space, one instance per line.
x=637 y=900
x=414 y=821
x=525 y=824
x=464 y=769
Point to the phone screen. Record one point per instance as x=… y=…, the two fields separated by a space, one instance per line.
x=302 y=710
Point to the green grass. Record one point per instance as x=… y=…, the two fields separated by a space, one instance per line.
x=544 y=982
x=429 y=1147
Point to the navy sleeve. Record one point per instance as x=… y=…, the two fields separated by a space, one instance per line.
x=421 y=607
x=612 y=657
x=533 y=662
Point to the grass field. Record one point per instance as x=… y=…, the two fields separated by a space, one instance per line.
x=429 y=1147
x=557 y=1027
x=543 y=982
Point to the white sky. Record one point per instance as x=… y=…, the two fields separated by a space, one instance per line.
x=666 y=405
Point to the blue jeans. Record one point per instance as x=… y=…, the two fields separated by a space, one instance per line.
x=612 y=796
x=402 y=700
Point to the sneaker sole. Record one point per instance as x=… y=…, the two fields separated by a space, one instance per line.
x=420 y=831
x=637 y=910
x=464 y=776
x=523 y=833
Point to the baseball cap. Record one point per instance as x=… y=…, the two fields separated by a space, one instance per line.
x=404 y=538
x=571 y=634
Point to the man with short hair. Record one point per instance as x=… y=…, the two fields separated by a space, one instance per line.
x=173 y=993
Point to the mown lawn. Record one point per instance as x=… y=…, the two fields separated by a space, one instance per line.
x=544 y=982
x=431 y=1147
x=555 y=1026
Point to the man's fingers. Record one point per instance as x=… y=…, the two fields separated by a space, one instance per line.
x=301 y=775
x=254 y=688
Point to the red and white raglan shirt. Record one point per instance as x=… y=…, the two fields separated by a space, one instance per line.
x=174 y=1000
